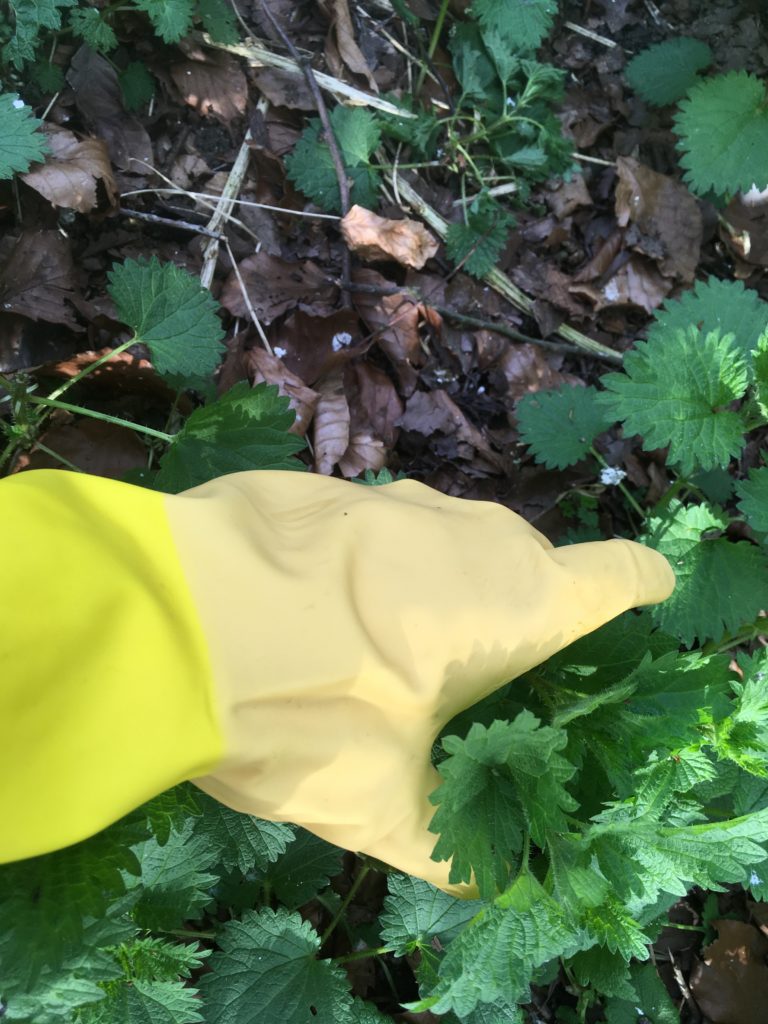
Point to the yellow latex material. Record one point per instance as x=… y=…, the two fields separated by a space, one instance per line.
x=105 y=684
x=347 y=624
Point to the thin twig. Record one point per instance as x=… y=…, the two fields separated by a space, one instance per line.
x=224 y=209
x=153 y=218
x=448 y=313
x=590 y=35
x=500 y=282
x=330 y=137
x=246 y=299
x=176 y=191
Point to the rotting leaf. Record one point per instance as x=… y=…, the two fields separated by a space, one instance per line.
x=349 y=51
x=268 y=368
x=38 y=278
x=212 y=84
x=71 y=170
x=332 y=421
x=311 y=346
x=275 y=286
x=376 y=238
x=95 y=447
x=666 y=216
x=731 y=983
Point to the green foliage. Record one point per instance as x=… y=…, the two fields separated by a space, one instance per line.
x=22 y=143
x=171 y=19
x=675 y=390
x=723 y=130
x=31 y=18
x=310 y=166
x=753 y=493
x=218 y=19
x=267 y=972
x=247 y=428
x=664 y=72
x=171 y=314
x=522 y=24
x=88 y=24
x=499 y=783
x=560 y=426
x=476 y=245
x=137 y=85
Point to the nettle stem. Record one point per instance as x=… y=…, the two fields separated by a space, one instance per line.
x=344 y=904
x=362 y=954
x=80 y=411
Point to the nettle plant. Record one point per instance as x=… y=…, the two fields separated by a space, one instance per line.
x=499 y=137
x=169 y=312
x=586 y=797
x=29 y=30
x=721 y=122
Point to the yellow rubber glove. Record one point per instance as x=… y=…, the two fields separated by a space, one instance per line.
x=292 y=643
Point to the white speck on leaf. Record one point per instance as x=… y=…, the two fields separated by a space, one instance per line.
x=18 y=104
x=611 y=475
x=341 y=340
x=755 y=879
x=279 y=352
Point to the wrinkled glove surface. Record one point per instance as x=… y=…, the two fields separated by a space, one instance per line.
x=343 y=626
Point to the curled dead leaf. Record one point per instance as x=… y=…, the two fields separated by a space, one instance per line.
x=275 y=286
x=212 y=84
x=731 y=983
x=378 y=238
x=668 y=222
x=265 y=367
x=38 y=278
x=348 y=50
x=331 y=425
x=71 y=170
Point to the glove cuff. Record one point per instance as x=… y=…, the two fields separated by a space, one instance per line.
x=106 y=694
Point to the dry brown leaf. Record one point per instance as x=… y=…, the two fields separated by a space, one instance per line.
x=364 y=451
x=284 y=89
x=311 y=346
x=377 y=238
x=731 y=984
x=213 y=84
x=344 y=33
x=275 y=285
x=667 y=218
x=70 y=172
x=395 y=319
x=526 y=369
x=262 y=366
x=428 y=412
x=331 y=425
x=744 y=229
x=569 y=196
x=636 y=283
x=98 y=448
x=371 y=391
x=38 y=277
x=99 y=99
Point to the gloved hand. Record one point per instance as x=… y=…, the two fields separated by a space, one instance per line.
x=292 y=643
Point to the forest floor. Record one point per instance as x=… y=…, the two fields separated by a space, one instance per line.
x=416 y=370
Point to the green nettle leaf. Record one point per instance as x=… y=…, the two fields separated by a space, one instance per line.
x=493 y=959
x=607 y=973
x=48 y=77
x=267 y=972
x=476 y=245
x=219 y=20
x=171 y=19
x=137 y=85
x=88 y=23
x=720 y=585
x=723 y=130
x=239 y=840
x=146 y=1002
x=713 y=305
x=170 y=313
x=560 y=426
x=499 y=782
x=175 y=880
x=169 y=811
x=22 y=143
x=760 y=366
x=415 y=912
x=650 y=998
x=665 y=72
x=523 y=23
x=247 y=428
x=753 y=495
x=31 y=17
x=675 y=391
x=311 y=168
x=303 y=870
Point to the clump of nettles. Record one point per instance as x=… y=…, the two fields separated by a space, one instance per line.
x=503 y=128
x=721 y=123
x=698 y=386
